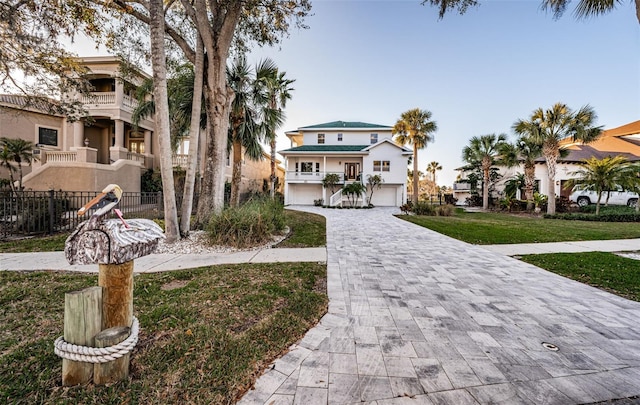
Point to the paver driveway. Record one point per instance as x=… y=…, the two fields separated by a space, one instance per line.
x=416 y=317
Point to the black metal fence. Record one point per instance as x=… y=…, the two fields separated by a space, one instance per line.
x=24 y=213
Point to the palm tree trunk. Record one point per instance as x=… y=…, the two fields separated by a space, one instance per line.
x=272 y=144
x=414 y=196
x=236 y=177
x=159 y=68
x=485 y=188
x=550 y=153
x=194 y=141
x=529 y=180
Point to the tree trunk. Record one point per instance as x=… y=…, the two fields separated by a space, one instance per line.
x=551 y=153
x=638 y=10
x=194 y=141
x=272 y=144
x=219 y=99
x=236 y=177
x=415 y=176
x=158 y=65
x=485 y=188
x=529 y=180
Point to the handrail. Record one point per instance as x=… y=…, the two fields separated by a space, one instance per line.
x=336 y=199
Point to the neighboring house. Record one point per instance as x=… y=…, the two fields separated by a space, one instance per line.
x=623 y=140
x=90 y=153
x=103 y=148
x=354 y=151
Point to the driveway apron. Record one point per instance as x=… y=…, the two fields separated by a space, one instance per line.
x=416 y=317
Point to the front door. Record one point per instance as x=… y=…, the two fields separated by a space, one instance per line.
x=351 y=171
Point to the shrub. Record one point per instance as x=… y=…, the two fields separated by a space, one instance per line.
x=252 y=224
x=407 y=207
x=474 y=201
x=318 y=203
x=423 y=208
x=445 y=210
x=606 y=217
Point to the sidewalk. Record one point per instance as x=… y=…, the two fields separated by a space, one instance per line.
x=163 y=262
x=615 y=245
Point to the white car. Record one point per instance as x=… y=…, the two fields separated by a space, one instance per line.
x=616 y=197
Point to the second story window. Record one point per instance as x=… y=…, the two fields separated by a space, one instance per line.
x=374 y=138
x=320 y=139
x=306 y=167
x=381 y=165
x=339 y=137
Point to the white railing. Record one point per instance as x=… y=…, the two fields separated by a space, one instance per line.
x=336 y=199
x=129 y=102
x=462 y=186
x=311 y=176
x=179 y=160
x=100 y=98
x=136 y=157
x=61 y=157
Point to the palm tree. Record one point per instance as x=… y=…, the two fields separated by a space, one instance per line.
x=524 y=151
x=278 y=92
x=548 y=127
x=415 y=127
x=245 y=130
x=631 y=180
x=601 y=175
x=5 y=161
x=432 y=168
x=17 y=151
x=483 y=151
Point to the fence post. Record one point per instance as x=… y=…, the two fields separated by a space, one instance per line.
x=51 y=211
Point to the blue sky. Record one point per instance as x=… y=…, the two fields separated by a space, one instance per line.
x=477 y=73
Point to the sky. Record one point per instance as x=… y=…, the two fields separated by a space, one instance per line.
x=370 y=61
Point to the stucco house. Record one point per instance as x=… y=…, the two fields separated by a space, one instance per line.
x=623 y=140
x=104 y=147
x=353 y=151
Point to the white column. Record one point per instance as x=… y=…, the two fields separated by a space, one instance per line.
x=119 y=92
x=147 y=142
x=78 y=134
x=119 y=134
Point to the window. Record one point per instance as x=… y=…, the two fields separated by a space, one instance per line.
x=339 y=137
x=306 y=167
x=47 y=136
x=317 y=167
x=381 y=165
x=374 y=138
x=320 y=138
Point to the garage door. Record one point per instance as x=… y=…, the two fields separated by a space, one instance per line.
x=304 y=194
x=386 y=196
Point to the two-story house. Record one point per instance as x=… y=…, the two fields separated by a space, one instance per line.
x=103 y=147
x=352 y=150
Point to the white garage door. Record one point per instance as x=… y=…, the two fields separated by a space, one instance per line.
x=386 y=196
x=304 y=194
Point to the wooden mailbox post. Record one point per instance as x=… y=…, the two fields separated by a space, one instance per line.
x=113 y=244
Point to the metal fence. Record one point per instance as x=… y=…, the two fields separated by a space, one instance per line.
x=25 y=213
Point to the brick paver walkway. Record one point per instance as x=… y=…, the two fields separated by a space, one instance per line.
x=416 y=317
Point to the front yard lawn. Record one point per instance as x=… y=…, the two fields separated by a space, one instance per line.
x=206 y=334
x=608 y=271
x=497 y=228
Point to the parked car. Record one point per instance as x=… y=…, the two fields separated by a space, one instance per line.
x=616 y=197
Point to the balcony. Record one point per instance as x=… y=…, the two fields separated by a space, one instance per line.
x=309 y=177
x=462 y=186
x=102 y=99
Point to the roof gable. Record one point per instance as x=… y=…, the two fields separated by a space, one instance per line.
x=326 y=148
x=389 y=141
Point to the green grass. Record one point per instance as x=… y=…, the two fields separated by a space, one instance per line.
x=204 y=342
x=36 y=244
x=307 y=230
x=498 y=228
x=610 y=272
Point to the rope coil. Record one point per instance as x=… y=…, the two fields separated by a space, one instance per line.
x=94 y=355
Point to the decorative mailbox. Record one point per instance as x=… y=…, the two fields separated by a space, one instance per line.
x=112 y=241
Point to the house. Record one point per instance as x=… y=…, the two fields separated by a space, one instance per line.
x=102 y=148
x=623 y=140
x=352 y=150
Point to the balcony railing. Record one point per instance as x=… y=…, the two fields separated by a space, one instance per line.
x=462 y=186
x=310 y=176
x=61 y=157
x=108 y=98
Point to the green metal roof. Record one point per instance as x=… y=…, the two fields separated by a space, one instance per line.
x=344 y=124
x=327 y=148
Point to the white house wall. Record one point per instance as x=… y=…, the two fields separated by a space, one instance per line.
x=397 y=173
